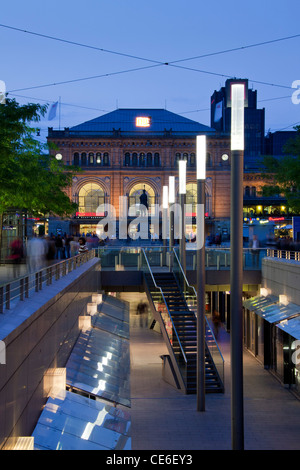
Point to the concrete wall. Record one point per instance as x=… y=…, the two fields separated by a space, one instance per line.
x=39 y=334
x=282 y=277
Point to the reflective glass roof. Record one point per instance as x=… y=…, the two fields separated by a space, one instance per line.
x=73 y=422
x=256 y=303
x=112 y=316
x=100 y=366
x=278 y=312
x=292 y=327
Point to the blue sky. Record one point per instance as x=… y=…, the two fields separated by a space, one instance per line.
x=159 y=31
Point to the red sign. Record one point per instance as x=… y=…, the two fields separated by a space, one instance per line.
x=89 y=214
x=276 y=219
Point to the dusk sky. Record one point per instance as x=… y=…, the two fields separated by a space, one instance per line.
x=133 y=40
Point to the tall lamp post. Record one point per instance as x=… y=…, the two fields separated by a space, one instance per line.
x=171 y=215
x=182 y=195
x=236 y=271
x=201 y=175
x=164 y=221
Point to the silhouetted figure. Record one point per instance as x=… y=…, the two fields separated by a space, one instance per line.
x=143 y=203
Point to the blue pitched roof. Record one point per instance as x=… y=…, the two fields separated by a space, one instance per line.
x=122 y=122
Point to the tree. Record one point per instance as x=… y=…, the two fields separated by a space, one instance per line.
x=31 y=179
x=282 y=175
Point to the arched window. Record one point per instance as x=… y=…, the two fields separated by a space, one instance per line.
x=90 y=197
x=127 y=159
x=83 y=159
x=134 y=159
x=156 y=159
x=149 y=159
x=191 y=198
x=76 y=159
x=192 y=159
x=142 y=159
x=98 y=158
x=91 y=159
x=208 y=160
x=247 y=191
x=253 y=191
x=185 y=157
x=135 y=193
x=105 y=159
x=177 y=158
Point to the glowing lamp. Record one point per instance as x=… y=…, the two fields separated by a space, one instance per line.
x=201 y=157
x=171 y=189
x=182 y=176
x=165 y=197
x=237 y=116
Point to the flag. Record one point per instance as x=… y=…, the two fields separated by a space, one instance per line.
x=52 y=111
x=218 y=111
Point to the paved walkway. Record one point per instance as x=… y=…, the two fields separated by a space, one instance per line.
x=165 y=419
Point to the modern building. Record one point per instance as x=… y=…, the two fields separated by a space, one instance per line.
x=254 y=121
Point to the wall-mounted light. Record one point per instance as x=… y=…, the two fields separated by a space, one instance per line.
x=58 y=156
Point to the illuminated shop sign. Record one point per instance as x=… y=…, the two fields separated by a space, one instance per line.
x=142 y=121
x=276 y=219
x=90 y=214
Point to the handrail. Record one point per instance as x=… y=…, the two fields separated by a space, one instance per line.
x=192 y=287
x=19 y=288
x=158 y=287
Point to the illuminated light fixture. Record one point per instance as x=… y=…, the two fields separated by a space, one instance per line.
x=201 y=156
x=237 y=116
x=182 y=176
x=165 y=197
x=225 y=157
x=264 y=291
x=171 y=189
x=283 y=299
x=141 y=121
x=58 y=156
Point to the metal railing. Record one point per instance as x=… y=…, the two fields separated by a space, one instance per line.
x=215 y=258
x=162 y=309
x=191 y=299
x=283 y=254
x=21 y=288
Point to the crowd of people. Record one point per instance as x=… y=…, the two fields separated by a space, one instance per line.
x=40 y=251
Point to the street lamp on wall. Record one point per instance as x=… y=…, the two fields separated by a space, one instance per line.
x=201 y=175
x=182 y=196
x=236 y=271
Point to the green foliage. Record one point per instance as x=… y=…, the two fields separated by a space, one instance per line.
x=283 y=174
x=30 y=178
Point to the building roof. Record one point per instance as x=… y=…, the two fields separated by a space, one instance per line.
x=157 y=122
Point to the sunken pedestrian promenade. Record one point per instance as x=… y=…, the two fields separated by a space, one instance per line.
x=163 y=418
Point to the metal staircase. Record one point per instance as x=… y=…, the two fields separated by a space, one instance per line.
x=178 y=324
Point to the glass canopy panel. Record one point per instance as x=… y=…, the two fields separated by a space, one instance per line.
x=292 y=327
x=279 y=312
x=258 y=302
x=100 y=366
x=73 y=422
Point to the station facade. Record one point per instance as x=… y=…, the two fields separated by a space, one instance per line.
x=128 y=150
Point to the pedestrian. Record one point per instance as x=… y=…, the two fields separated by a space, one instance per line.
x=255 y=250
x=59 y=247
x=16 y=255
x=82 y=246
